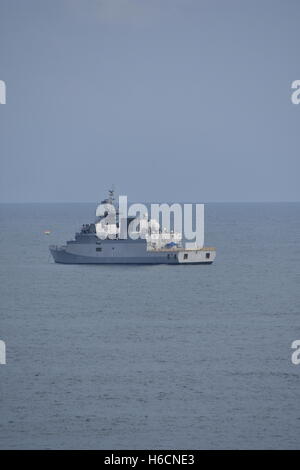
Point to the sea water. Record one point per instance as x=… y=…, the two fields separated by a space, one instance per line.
x=132 y=357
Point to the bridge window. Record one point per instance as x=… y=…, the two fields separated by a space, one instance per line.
x=185 y=256
x=98 y=248
x=207 y=255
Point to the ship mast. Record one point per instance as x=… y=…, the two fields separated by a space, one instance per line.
x=111 y=194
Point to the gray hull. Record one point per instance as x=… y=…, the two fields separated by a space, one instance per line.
x=68 y=258
x=63 y=256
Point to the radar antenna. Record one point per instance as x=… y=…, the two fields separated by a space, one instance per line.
x=111 y=194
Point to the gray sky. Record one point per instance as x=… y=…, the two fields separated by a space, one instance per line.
x=179 y=100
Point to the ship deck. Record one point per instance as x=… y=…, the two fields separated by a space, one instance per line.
x=177 y=249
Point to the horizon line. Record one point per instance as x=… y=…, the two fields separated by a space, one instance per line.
x=153 y=202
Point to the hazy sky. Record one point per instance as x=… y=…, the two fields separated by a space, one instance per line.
x=183 y=100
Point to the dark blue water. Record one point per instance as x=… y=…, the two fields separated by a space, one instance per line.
x=151 y=356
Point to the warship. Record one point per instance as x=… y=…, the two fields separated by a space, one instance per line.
x=153 y=245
